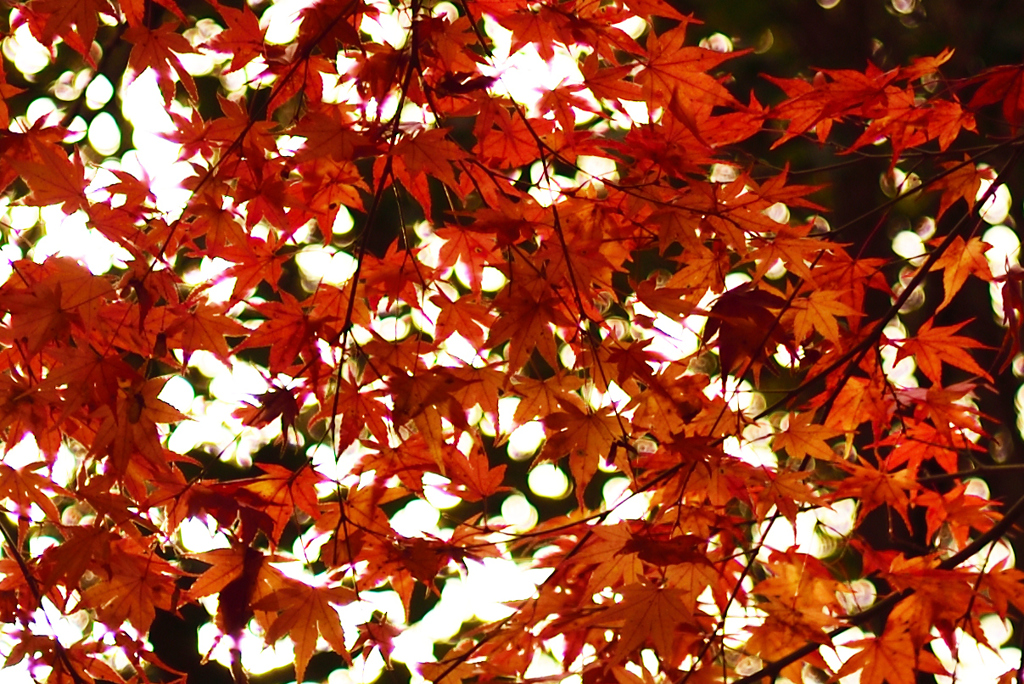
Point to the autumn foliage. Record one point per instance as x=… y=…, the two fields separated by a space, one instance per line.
x=638 y=262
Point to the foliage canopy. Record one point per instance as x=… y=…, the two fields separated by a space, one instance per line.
x=391 y=264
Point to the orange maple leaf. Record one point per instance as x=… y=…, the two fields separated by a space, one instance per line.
x=891 y=657
x=930 y=347
x=962 y=179
x=75 y=21
x=674 y=72
x=53 y=179
x=1005 y=84
x=888 y=658
x=879 y=486
x=243 y=39
x=281 y=490
x=586 y=437
x=129 y=428
x=159 y=49
x=305 y=614
x=804 y=437
x=137 y=582
x=24 y=487
x=819 y=312
x=651 y=612
x=432 y=153
x=960 y=260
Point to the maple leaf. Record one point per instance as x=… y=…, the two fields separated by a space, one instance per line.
x=279 y=402
x=585 y=244
x=81 y=549
x=158 y=50
x=378 y=633
x=129 y=427
x=653 y=613
x=466 y=316
x=306 y=613
x=199 y=324
x=800 y=597
x=75 y=21
x=506 y=138
x=930 y=347
x=960 y=510
x=526 y=326
x=607 y=548
x=960 y=260
x=563 y=100
x=432 y=153
x=945 y=407
x=960 y=180
x=53 y=179
x=791 y=245
x=804 y=437
x=282 y=490
x=328 y=186
x=1002 y=84
x=878 y=486
x=6 y=91
x=673 y=72
x=788 y=492
x=585 y=436
x=37 y=316
x=890 y=657
x=819 y=312
x=25 y=487
x=330 y=22
x=137 y=583
x=608 y=83
x=543 y=397
x=243 y=39
x=472 y=478
x=744 y=320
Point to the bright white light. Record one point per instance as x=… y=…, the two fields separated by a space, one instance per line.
x=281 y=20
x=838 y=518
x=70 y=236
x=1005 y=249
x=739 y=394
x=518 y=512
x=41 y=108
x=757 y=453
x=319 y=264
x=909 y=245
x=778 y=212
x=28 y=55
x=415 y=519
x=973 y=662
x=670 y=339
x=549 y=481
x=525 y=440
x=178 y=392
x=98 y=92
x=624 y=503
x=104 y=134
x=198 y=536
x=997 y=207
x=782 y=535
